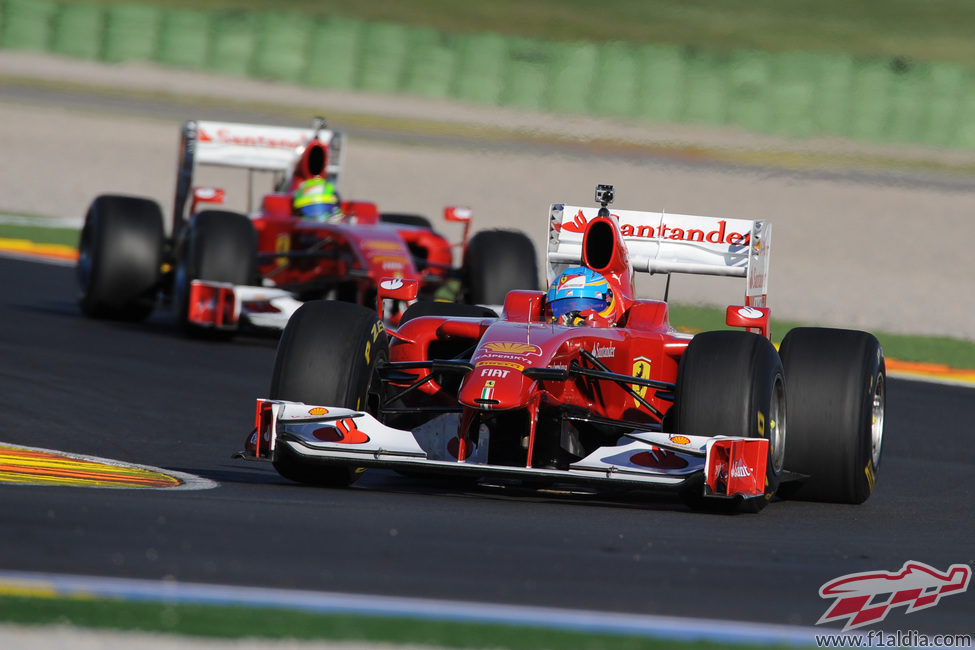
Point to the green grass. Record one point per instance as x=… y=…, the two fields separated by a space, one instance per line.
x=266 y=623
x=62 y=236
x=937 y=30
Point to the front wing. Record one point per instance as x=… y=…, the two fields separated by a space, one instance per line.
x=225 y=306
x=726 y=466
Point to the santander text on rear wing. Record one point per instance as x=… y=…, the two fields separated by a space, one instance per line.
x=255 y=147
x=658 y=242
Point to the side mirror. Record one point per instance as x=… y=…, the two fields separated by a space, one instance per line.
x=395 y=289
x=460 y=214
x=213 y=195
x=753 y=319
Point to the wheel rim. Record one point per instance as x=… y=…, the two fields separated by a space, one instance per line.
x=777 y=425
x=877 y=421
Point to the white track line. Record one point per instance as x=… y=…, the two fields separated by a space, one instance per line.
x=576 y=620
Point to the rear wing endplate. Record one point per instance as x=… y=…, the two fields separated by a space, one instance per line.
x=658 y=242
x=255 y=147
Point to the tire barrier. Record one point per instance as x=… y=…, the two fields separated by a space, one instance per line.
x=797 y=94
x=131 y=33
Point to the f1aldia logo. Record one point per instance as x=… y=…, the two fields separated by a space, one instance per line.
x=865 y=598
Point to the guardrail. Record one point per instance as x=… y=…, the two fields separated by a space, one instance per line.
x=794 y=94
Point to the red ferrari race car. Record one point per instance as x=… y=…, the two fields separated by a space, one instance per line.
x=222 y=269
x=585 y=383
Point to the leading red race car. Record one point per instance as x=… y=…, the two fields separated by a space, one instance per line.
x=604 y=394
x=223 y=269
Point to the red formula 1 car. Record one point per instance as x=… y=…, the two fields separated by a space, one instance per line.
x=223 y=269
x=612 y=399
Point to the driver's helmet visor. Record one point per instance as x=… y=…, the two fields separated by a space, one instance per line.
x=318 y=209
x=569 y=305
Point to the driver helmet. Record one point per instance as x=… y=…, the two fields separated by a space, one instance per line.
x=316 y=198
x=579 y=289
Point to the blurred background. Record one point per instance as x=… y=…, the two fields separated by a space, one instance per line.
x=850 y=125
x=892 y=71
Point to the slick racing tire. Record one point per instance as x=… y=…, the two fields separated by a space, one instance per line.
x=732 y=383
x=404 y=219
x=218 y=246
x=120 y=256
x=836 y=381
x=449 y=309
x=327 y=356
x=496 y=262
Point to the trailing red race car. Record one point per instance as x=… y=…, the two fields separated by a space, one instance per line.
x=585 y=383
x=222 y=269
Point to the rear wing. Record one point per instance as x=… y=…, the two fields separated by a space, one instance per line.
x=658 y=242
x=255 y=147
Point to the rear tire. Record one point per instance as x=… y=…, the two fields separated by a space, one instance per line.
x=449 y=309
x=837 y=391
x=120 y=256
x=406 y=219
x=496 y=262
x=732 y=383
x=327 y=356
x=219 y=247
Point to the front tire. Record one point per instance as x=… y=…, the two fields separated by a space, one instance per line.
x=732 y=383
x=837 y=394
x=496 y=262
x=120 y=256
x=219 y=246
x=327 y=356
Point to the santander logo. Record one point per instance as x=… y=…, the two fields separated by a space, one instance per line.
x=718 y=235
x=228 y=136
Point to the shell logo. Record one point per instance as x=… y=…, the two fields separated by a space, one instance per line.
x=318 y=410
x=513 y=348
x=680 y=440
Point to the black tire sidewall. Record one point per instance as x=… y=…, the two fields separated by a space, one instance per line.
x=121 y=249
x=496 y=262
x=406 y=219
x=327 y=355
x=448 y=309
x=831 y=375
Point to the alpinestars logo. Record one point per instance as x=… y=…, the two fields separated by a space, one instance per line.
x=866 y=598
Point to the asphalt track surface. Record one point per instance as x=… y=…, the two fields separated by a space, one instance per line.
x=144 y=394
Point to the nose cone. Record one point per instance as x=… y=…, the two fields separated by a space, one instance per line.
x=495 y=388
